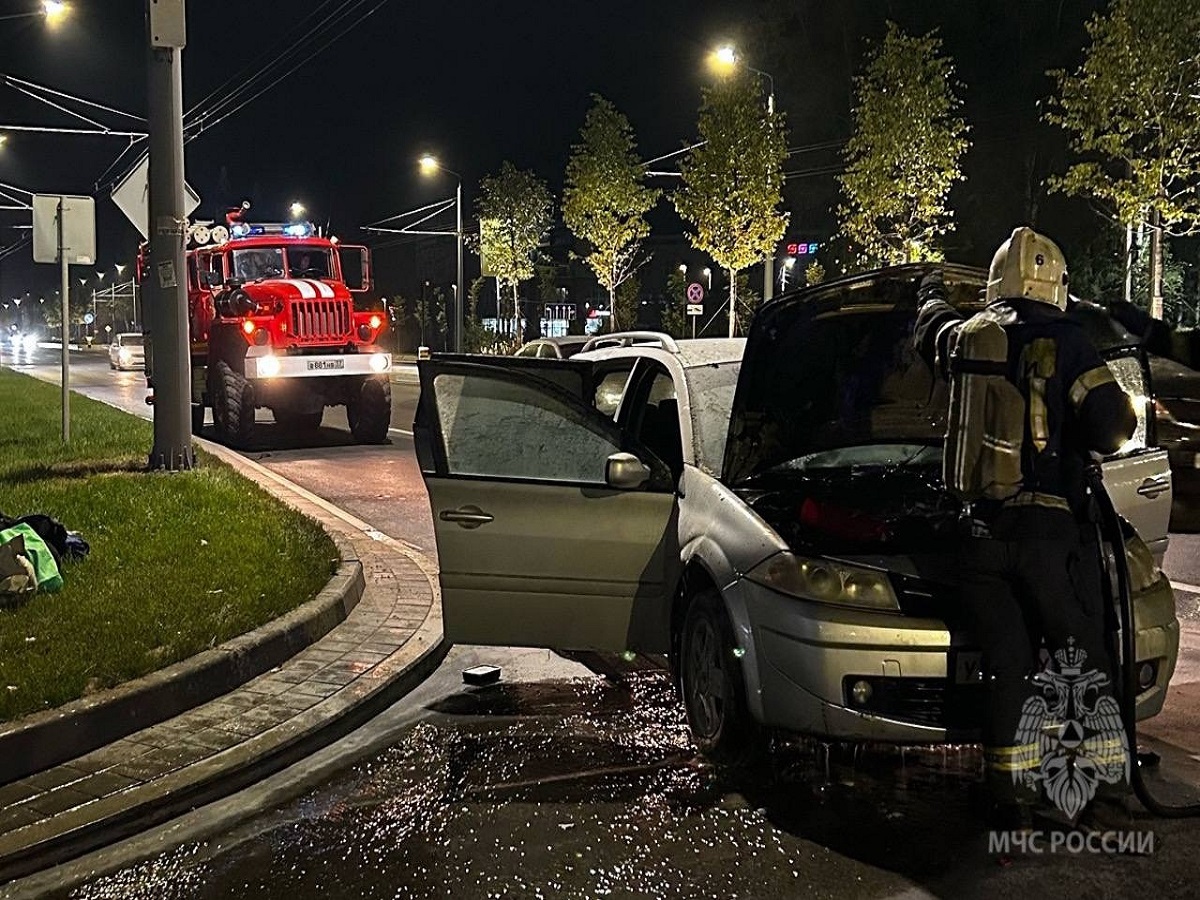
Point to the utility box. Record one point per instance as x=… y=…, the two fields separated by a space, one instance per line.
x=78 y=231
x=168 y=26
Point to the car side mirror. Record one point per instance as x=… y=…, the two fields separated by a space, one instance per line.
x=625 y=472
x=212 y=279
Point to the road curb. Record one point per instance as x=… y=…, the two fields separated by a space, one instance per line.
x=191 y=788
x=46 y=739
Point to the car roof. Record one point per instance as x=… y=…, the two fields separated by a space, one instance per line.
x=688 y=353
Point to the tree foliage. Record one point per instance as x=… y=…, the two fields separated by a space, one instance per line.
x=626 y=304
x=1132 y=112
x=905 y=152
x=605 y=198
x=674 y=314
x=732 y=182
x=515 y=214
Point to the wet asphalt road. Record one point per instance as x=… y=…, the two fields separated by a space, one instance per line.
x=558 y=782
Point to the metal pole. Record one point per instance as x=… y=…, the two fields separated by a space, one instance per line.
x=1156 y=271
x=66 y=334
x=459 y=305
x=171 y=350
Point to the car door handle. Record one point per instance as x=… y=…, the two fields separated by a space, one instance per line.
x=466 y=516
x=1152 y=487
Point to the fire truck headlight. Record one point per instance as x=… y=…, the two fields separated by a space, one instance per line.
x=248 y=327
x=261 y=337
x=364 y=332
x=268 y=366
x=376 y=321
x=379 y=362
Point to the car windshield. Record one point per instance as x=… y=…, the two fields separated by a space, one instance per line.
x=130 y=340
x=258 y=263
x=309 y=262
x=710 y=393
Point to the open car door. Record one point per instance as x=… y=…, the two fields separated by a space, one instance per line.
x=1138 y=479
x=544 y=536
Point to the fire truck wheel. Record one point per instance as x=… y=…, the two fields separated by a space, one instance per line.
x=369 y=410
x=233 y=406
x=299 y=421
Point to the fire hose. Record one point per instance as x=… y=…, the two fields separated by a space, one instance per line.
x=1121 y=622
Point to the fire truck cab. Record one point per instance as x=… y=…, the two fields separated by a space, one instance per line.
x=273 y=325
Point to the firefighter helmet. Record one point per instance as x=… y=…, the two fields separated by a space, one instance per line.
x=1029 y=265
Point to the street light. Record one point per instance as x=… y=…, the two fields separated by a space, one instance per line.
x=683 y=268
x=708 y=275
x=297 y=209
x=430 y=166
x=725 y=59
x=54 y=11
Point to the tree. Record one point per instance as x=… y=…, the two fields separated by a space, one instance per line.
x=605 y=199
x=78 y=305
x=515 y=214
x=674 y=315
x=732 y=182
x=814 y=274
x=627 y=303
x=475 y=336
x=1132 y=112
x=904 y=154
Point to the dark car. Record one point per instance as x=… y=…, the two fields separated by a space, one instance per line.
x=554 y=347
x=1177 y=419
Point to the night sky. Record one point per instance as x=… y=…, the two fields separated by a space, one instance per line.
x=478 y=83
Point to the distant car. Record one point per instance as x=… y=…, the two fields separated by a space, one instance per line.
x=1177 y=419
x=126 y=352
x=554 y=347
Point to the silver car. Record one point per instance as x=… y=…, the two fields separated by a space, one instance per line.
x=766 y=514
x=127 y=351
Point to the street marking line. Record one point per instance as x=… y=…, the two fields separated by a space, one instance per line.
x=1184 y=586
x=410 y=434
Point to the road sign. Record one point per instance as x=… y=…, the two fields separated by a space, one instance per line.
x=88 y=318
x=695 y=292
x=78 y=229
x=695 y=309
x=132 y=196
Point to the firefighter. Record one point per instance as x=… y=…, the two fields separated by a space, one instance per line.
x=1030 y=563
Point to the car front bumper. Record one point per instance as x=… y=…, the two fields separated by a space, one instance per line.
x=924 y=689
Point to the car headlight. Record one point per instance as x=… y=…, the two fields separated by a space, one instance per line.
x=125 y=354
x=826 y=581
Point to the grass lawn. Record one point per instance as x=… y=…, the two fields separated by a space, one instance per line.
x=179 y=561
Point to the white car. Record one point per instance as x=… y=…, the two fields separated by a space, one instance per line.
x=127 y=351
x=767 y=514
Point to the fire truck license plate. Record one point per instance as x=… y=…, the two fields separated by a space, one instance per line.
x=323 y=364
x=968 y=667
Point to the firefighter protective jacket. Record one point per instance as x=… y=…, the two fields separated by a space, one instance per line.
x=1084 y=409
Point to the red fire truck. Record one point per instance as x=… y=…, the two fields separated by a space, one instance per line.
x=273 y=325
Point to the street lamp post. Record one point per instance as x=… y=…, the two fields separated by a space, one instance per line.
x=708 y=275
x=726 y=58
x=429 y=164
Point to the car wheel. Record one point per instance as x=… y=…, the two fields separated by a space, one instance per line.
x=299 y=421
x=713 y=688
x=369 y=410
x=233 y=405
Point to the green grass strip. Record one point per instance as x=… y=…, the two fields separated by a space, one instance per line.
x=179 y=563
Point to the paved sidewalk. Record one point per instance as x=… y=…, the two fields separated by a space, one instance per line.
x=389 y=642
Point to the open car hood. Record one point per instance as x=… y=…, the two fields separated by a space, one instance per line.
x=833 y=366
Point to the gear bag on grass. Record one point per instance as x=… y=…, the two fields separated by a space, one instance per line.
x=986 y=422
